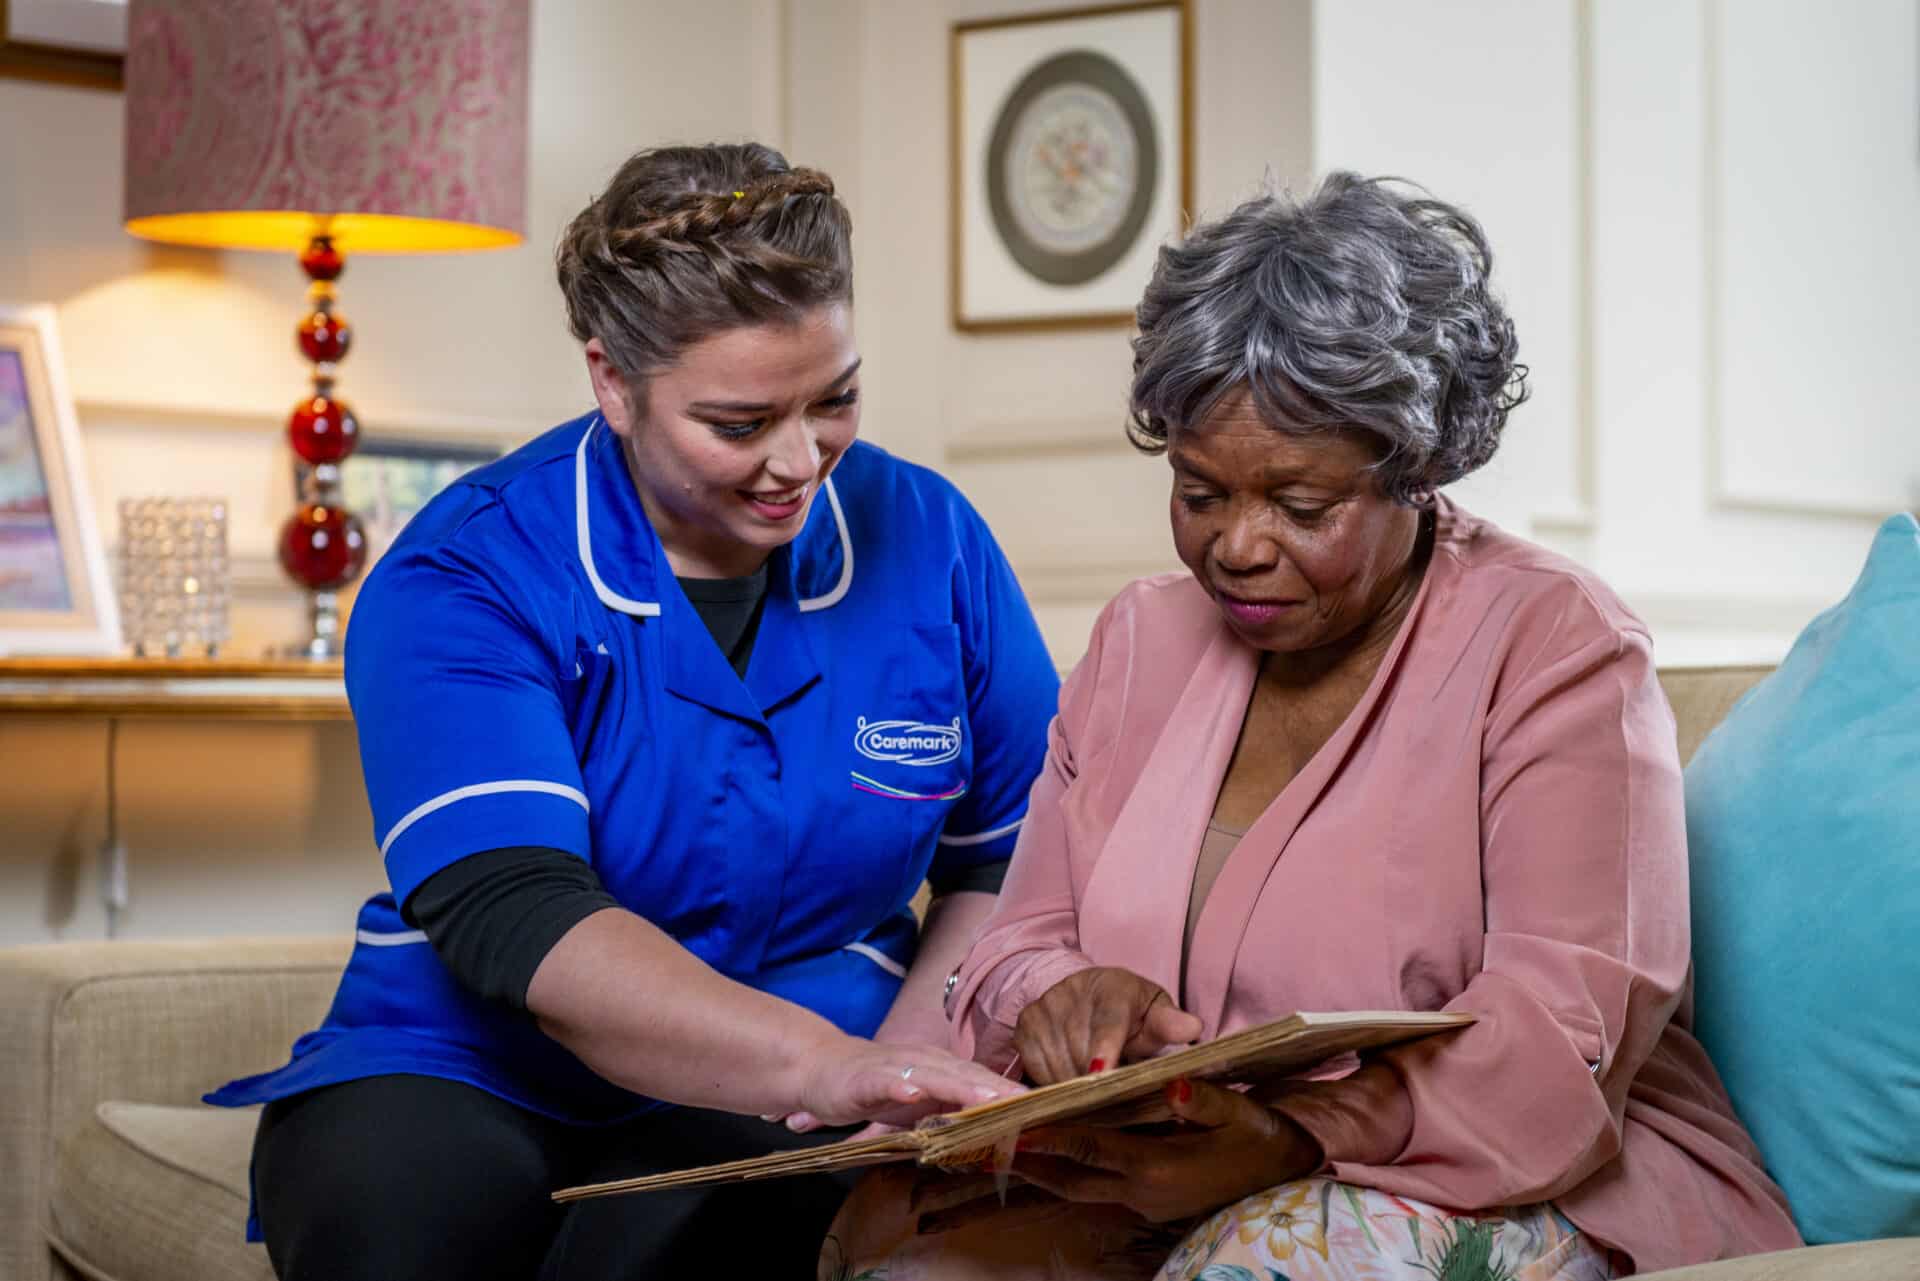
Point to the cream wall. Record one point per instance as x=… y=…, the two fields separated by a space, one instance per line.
x=1029 y=425
x=184 y=367
x=1692 y=202
x=1704 y=216
x=1720 y=343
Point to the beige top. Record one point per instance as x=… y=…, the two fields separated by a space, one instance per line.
x=1215 y=847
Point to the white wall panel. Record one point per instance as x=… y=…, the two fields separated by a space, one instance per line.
x=1815 y=253
x=1717 y=583
x=1479 y=101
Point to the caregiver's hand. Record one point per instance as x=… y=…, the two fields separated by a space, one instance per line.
x=853 y=1079
x=1235 y=1148
x=1096 y=1019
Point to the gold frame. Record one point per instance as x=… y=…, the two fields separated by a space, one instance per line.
x=50 y=64
x=956 y=266
x=91 y=622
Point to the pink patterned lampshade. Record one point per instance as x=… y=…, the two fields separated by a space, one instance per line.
x=400 y=126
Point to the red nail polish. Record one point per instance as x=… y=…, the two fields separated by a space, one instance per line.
x=1098 y=1065
x=1024 y=1144
x=1183 y=1091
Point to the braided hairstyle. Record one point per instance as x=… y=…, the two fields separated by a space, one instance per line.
x=687 y=242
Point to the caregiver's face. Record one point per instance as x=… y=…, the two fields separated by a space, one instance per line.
x=729 y=446
x=1289 y=534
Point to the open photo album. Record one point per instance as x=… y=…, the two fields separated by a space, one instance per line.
x=1129 y=1095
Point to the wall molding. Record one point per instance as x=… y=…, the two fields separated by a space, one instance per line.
x=1566 y=522
x=992 y=440
x=1724 y=612
x=1586 y=322
x=1689 y=629
x=1090 y=583
x=1720 y=495
x=771 y=88
x=453 y=428
x=253 y=579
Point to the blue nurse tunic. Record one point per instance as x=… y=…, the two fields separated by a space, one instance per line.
x=525 y=671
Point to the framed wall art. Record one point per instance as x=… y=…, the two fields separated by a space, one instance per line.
x=78 y=42
x=1072 y=162
x=55 y=593
x=386 y=479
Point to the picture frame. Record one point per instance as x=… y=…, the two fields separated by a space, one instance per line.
x=56 y=596
x=387 y=479
x=1072 y=161
x=73 y=42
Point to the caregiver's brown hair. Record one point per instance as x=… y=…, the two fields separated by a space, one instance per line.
x=686 y=242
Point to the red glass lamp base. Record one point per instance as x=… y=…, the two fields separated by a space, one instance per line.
x=322 y=430
x=322 y=548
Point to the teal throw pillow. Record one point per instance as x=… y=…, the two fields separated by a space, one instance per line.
x=1803 y=822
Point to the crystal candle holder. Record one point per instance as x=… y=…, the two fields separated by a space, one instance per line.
x=175 y=579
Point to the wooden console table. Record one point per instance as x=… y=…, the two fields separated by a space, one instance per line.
x=117 y=689
x=213 y=688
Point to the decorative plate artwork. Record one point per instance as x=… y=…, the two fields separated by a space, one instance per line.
x=1071 y=167
x=1071 y=137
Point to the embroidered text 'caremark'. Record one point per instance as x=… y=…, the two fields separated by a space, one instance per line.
x=908 y=742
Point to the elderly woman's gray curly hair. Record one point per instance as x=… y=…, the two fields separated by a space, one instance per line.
x=1365 y=306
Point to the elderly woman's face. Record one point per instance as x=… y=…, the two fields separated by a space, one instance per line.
x=1289 y=534
x=731 y=445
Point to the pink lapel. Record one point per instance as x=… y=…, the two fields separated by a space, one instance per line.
x=1133 y=909
x=1223 y=922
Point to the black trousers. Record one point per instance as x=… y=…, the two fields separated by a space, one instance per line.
x=393 y=1178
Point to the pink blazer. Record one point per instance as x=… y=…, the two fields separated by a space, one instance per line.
x=1496 y=828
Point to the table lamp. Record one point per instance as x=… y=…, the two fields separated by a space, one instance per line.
x=326 y=128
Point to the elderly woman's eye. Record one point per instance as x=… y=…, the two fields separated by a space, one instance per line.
x=1305 y=515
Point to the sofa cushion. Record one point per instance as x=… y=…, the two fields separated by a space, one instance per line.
x=1803 y=820
x=1860 y=1261
x=1701 y=698
x=145 y=1192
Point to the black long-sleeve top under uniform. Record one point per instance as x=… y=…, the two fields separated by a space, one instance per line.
x=493 y=917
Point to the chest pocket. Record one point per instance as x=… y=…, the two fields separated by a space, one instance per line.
x=907 y=738
x=903 y=748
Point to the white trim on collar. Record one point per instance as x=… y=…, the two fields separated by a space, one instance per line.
x=833 y=597
x=608 y=597
x=651 y=609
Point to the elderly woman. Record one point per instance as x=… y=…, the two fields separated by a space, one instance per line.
x=1370 y=753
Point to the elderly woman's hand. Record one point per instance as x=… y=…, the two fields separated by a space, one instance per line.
x=1096 y=1019
x=1233 y=1148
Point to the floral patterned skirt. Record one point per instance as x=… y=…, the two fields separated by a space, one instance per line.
x=1308 y=1230
x=1320 y=1230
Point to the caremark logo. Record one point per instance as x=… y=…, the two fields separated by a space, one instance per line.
x=907 y=742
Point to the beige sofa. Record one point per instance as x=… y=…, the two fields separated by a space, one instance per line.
x=110 y=1169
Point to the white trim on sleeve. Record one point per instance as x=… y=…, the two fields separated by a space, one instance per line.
x=397 y=938
x=878 y=957
x=445 y=799
x=983 y=838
